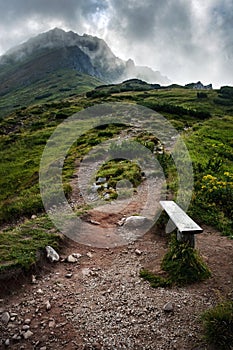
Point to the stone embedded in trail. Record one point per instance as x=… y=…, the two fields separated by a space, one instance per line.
x=72 y=259
x=168 y=307
x=52 y=323
x=27 y=334
x=5 y=317
x=68 y=275
x=47 y=305
x=52 y=255
x=27 y=321
x=90 y=255
x=138 y=252
x=135 y=221
x=77 y=255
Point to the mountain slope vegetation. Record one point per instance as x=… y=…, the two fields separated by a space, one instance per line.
x=205 y=125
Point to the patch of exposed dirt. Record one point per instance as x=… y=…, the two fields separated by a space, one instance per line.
x=100 y=302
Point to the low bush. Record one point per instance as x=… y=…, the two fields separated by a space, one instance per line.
x=218 y=325
x=182 y=264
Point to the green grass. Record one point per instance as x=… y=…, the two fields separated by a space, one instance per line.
x=56 y=86
x=218 y=325
x=25 y=131
x=19 y=245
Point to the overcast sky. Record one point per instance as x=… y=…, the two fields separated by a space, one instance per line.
x=187 y=40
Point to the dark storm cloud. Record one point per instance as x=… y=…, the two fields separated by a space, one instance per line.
x=185 y=39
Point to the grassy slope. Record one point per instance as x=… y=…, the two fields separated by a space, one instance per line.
x=25 y=133
x=60 y=84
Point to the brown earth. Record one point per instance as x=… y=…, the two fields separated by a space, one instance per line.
x=100 y=302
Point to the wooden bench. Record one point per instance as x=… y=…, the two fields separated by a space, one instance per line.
x=186 y=227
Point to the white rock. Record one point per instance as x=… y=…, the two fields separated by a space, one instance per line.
x=72 y=259
x=25 y=327
x=7 y=342
x=168 y=307
x=52 y=255
x=47 y=305
x=77 y=255
x=33 y=217
x=138 y=252
x=27 y=334
x=51 y=324
x=135 y=221
x=101 y=180
x=5 y=317
x=90 y=255
x=68 y=275
x=33 y=279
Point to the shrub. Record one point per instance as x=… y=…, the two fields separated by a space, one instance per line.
x=218 y=325
x=182 y=264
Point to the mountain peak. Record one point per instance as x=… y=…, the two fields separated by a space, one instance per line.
x=85 y=53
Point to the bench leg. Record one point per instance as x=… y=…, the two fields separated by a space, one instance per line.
x=186 y=238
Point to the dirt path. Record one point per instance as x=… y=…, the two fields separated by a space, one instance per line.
x=100 y=302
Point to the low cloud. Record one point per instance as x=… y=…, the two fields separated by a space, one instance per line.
x=185 y=40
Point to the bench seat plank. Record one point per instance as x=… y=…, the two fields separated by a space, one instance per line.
x=182 y=221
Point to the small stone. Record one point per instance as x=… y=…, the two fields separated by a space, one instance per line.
x=138 y=252
x=68 y=275
x=7 y=342
x=27 y=321
x=77 y=255
x=94 y=222
x=33 y=279
x=5 y=317
x=43 y=348
x=52 y=255
x=40 y=291
x=86 y=271
x=33 y=217
x=121 y=222
x=90 y=255
x=16 y=337
x=51 y=324
x=101 y=180
x=47 y=305
x=72 y=259
x=25 y=327
x=168 y=307
x=27 y=334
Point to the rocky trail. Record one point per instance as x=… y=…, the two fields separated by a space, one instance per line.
x=95 y=299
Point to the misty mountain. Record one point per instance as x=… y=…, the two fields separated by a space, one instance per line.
x=56 y=49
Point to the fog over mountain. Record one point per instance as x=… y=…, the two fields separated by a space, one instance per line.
x=58 y=49
x=185 y=40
